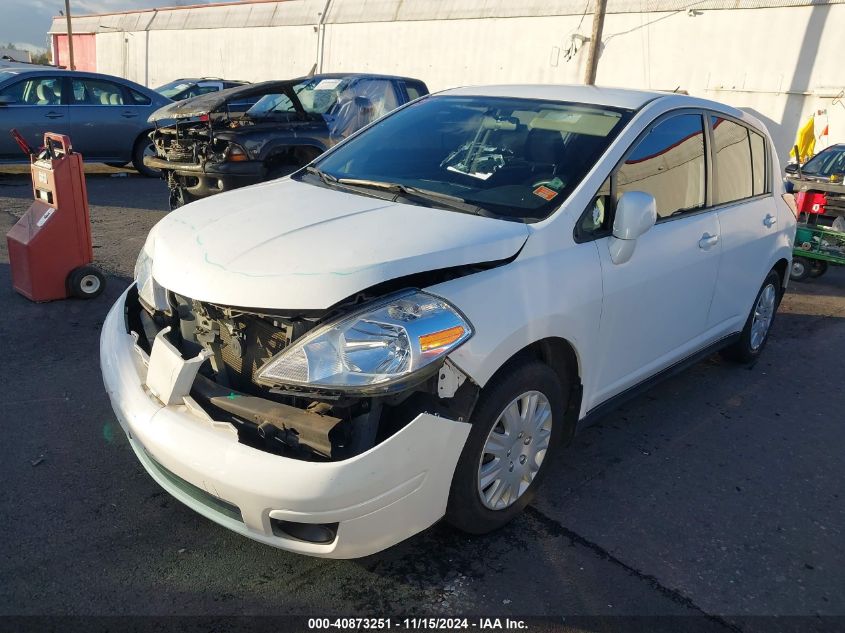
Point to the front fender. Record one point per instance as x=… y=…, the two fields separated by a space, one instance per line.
x=556 y=295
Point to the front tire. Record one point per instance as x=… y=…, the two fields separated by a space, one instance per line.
x=144 y=147
x=516 y=427
x=755 y=334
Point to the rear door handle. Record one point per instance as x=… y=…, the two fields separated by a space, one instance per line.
x=128 y=115
x=54 y=115
x=708 y=241
x=770 y=220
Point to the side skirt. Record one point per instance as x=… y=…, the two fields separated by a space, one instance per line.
x=610 y=404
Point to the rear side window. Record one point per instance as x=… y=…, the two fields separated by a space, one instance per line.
x=668 y=163
x=740 y=159
x=96 y=92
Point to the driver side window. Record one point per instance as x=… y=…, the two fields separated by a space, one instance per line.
x=43 y=91
x=668 y=163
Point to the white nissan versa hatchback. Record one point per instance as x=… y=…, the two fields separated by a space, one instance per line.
x=409 y=327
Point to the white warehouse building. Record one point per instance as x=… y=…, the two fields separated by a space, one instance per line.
x=780 y=59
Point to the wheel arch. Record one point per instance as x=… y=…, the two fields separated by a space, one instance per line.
x=290 y=146
x=297 y=155
x=562 y=357
x=782 y=269
x=144 y=134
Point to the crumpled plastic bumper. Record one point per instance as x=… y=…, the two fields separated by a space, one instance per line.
x=377 y=499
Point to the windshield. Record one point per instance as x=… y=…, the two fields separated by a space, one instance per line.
x=317 y=96
x=826 y=163
x=512 y=158
x=173 y=88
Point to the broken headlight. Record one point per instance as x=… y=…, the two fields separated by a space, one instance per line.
x=384 y=343
x=150 y=293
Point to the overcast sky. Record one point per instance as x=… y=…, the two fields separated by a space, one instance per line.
x=27 y=21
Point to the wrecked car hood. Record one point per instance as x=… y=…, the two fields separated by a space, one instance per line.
x=287 y=245
x=207 y=103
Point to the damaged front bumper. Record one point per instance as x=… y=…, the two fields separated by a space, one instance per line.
x=356 y=506
x=202 y=180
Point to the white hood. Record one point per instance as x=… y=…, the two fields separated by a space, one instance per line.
x=289 y=245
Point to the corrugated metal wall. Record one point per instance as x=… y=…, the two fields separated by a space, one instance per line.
x=780 y=58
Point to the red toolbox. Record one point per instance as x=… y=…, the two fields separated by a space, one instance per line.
x=810 y=202
x=50 y=247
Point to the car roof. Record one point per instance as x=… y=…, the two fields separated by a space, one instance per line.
x=19 y=73
x=613 y=97
x=624 y=98
x=364 y=75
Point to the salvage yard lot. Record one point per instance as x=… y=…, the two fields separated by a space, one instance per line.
x=717 y=492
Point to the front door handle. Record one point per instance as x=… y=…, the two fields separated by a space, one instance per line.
x=54 y=115
x=708 y=241
x=128 y=115
x=770 y=221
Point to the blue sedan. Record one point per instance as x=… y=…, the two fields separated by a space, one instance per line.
x=105 y=116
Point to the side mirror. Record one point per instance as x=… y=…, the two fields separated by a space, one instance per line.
x=6 y=100
x=792 y=168
x=636 y=213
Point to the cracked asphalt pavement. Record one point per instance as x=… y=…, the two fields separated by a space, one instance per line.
x=717 y=493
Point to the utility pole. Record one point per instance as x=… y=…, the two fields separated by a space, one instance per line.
x=595 y=43
x=69 y=35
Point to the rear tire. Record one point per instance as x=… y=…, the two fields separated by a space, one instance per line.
x=86 y=282
x=755 y=334
x=508 y=448
x=818 y=267
x=144 y=146
x=800 y=269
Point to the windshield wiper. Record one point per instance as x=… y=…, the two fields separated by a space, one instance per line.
x=326 y=178
x=443 y=199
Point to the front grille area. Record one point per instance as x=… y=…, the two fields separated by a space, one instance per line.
x=240 y=342
x=246 y=349
x=180 y=153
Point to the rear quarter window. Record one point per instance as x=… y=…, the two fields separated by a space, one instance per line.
x=139 y=98
x=759 y=164
x=415 y=89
